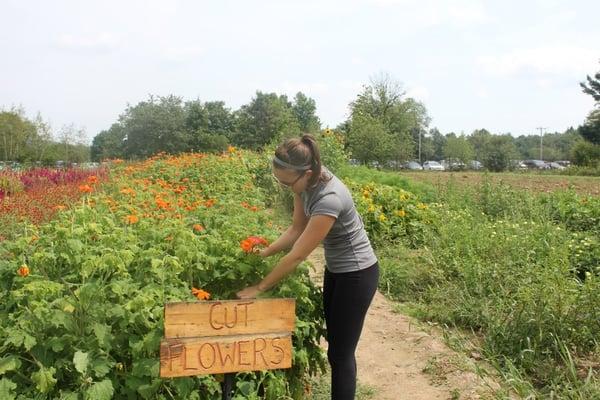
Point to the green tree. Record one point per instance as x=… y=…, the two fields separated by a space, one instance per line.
x=209 y=125
x=590 y=130
x=592 y=86
x=40 y=142
x=108 y=143
x=370 y=140
x=153 y=126
x=304 y=109
x=438 y=142
x=16 y=133
x=458 y=149
x=585 y=153
x=382 y=102
x=479 y=140
x=498 y=153
x=268 y=117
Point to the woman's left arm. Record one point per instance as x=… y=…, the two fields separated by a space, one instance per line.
x=317 y=228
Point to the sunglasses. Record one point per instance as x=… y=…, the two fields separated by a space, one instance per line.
x=285 y=184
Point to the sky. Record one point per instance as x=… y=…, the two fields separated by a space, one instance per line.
x=507 y=66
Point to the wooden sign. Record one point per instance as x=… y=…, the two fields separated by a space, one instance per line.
x=227 y=336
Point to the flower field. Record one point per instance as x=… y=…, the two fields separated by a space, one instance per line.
x=83 y=294
x=35 y=195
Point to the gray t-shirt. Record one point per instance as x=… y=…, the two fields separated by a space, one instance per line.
x=347 y=246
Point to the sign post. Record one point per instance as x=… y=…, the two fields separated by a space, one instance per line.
x=223 y=337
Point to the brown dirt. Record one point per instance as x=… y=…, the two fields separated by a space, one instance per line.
x=400 y=358
x=537 y=183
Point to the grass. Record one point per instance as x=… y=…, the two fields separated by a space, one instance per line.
x=321 y=389
x=508 y=265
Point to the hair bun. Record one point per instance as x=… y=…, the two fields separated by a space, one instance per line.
x=307 y=138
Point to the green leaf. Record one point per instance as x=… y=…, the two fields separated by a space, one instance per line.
x=44 y=379
x=69 y=396
x=146 y=367
x=102 y=333
x=81 y=361
x=246 y=387
x=100 y=391
x=101 y=367
x=9 y=363
x=7 y=388
x=29 y=341
x=75 y=245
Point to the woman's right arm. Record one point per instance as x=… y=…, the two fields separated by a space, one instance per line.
x=289 y=237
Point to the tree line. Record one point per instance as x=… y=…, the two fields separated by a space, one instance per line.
x=384 y=125
x=32 y=141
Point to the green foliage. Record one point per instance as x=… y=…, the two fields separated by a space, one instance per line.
x=109 y=143
x=390 y=214
x=268 y=117
x=592 y=86
x=88 y=320
x=304 y=109
x=10 y=184
x=521 y=271
x=331 y=148
x=386 y=123
x=590 y=131
x=586 y=154
x=458 y=149
x=369 y=140
x=153 y=126
x=497 y=153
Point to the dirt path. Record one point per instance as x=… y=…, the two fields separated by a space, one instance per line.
x=401 y=361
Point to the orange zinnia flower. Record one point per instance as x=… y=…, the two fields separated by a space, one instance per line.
x=198 y=227
x=200 y=294
x=210 y=202
x=85 y=189
x=92 y=179
x=23 y=271
x=250 y=242
x=128 y=191
x=132 y=219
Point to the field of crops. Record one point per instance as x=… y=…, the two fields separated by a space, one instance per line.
x=84 y=287
x=518 y=270
x=83 y=294
x=526 y=180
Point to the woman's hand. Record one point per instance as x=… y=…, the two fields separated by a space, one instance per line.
x=250 y=292
x=261 y=252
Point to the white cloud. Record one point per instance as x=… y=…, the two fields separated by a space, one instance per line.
x=99 y=41
x=426 y=13
x=181 y=53
x=420 y=93
x=557 y=59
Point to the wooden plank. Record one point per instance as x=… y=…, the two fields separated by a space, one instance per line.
x=217 y=355
x=229 y=317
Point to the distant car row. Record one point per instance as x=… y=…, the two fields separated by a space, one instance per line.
x=444 y=165
x=539 y=164
x=17 y=166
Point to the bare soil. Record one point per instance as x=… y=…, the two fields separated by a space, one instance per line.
x=537 y=183
x=400 y=358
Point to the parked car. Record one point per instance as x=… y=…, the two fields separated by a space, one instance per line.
x=536 y=164
x=433 y=166
x=556 y=165
x=453 y=165
x=413 y=165
x=474 y=164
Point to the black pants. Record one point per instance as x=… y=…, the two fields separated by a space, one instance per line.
x=346 y=298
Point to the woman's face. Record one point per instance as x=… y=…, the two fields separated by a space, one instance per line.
x=296 y=181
